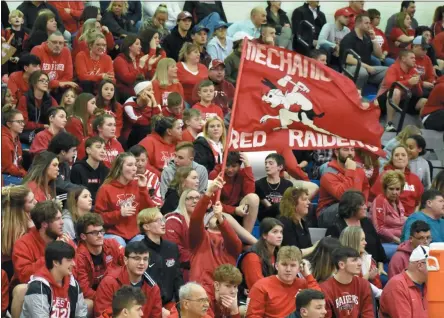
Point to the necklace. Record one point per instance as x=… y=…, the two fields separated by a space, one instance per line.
x=276 y=186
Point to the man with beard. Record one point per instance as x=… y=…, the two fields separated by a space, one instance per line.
x=223 y=90
x=178 y=36
x=340 y=175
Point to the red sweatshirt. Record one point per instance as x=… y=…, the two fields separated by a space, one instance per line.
x=82 y=46
x=112 y=149
x=114 y=195
x=118 y=277
x=145 y=113
x=438 y=44
x=118 y=115
x=394 y=35
x=166 y=113
x=252 y=268
x=339 y=180
x=23 y=108
x=209 y=111
x=75 y=127
x=352 y=300
x=189 y=80
x=86 y=272
x=5 y=291
x=382 y=40
x=41 y=141
x=216 y=309
x=88 y=69
x=160 y=152
x=28 y=255
x=11 y=154
x=187 y=136
x=272 y=298
x=17 y=85
x=401 y=297
x=396 y=74
x=39 y=193
x=387 y=220
x=161 y=93
x=425 y=68
x=411 y=194
x=71 y=19
x=235 y=188
x=223 y=95
x=401 y=259
x=209 y=249
x=436 y=98
x=126 y=73
x=58 y=67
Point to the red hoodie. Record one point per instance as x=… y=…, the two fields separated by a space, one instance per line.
x=17 y=85
x=126 y=73
x=339 y=180
x=400 y=260
x=382 y=40
x=74 y=126
x=387 y=220
x=70 y=20
x=28 y=255
x=87 y=273
x=161 y=93
x=438 y=45
x=88 y=69
x=58 y=67
x=159 y=151
x=436 y=98
x=209 y=249
x=425 y=68
x=209 y=111
x=114 y=195
x=112 y=149
x=118 y=277
x=401 y=297
x=396 y=74
x=11 y=154
x=41 y=141
x=411 y=194
x=144 y=115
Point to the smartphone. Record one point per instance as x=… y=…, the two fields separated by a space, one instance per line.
x=158 y=51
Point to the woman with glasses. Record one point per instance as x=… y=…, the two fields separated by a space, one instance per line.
x=79 y=203
x=90 y=28
x=164 y=265
x=12 y=169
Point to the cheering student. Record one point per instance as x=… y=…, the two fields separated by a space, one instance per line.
x=57 y=122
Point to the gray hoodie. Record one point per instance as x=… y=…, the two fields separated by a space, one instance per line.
x=68 y=224
x=421 y=168
x=169 y=172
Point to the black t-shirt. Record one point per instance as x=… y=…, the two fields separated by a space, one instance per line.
x=139 y=284
x=364 y=47
x=273 y=194
x=99 y=269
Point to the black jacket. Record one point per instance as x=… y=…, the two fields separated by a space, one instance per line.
x=283 y=19
x=171 y=201
x=134 y=9
x=30 y=12
x=38 y=115
x=82 y=173
x=63 y=183
x=294 y=235
x=304 y=13
x=201 y=9
x=164 y=268
x=117 y=25
x=174 y=42
x=203 y=154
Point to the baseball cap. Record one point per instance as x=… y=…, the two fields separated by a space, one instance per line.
x=220 y=24
x=184 y=15
x=344 y=11
x=420 y=40
x=420 y=253
x=241 y=35
x=215 y=63
x=199 y=27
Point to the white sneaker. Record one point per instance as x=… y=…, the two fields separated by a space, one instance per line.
x=389 y=127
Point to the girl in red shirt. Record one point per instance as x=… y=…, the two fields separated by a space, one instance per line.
x=402 y=34
x=438 y=21
x=57 y=123
x=189 y=70
x=165 y=81
x=80 y=122
x=106 y=99
x=193 y=123
x=150 y=42
x=68 y=99
x=11 y=147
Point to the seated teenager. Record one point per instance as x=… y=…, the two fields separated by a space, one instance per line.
x=132 y=273
x=107 y=101
x=416 y=145
x=18 y=82
x=174 y=107
x=347 y=294
x=52 y=289
x=91 y=172
x=121 y=197
x=310 y=303
x=127 y=302
x=78 y=204
x=273 y=296
x=57 y=121
x=80 y=120
x=192 y=121
x=185 y=178
x=164 y=266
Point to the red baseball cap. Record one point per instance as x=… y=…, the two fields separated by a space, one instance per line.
x=215 y=63
x=344 y=11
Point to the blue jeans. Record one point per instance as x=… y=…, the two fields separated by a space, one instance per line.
x=390 y=249
x=388 y=61
x=121 y=240
x=377 y=62
x=11 y=180
x=210 y=21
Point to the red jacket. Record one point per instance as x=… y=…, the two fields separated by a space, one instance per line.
x=271 y=298
x=160 y=151
x=400 y=260
x=74 y=126
x=41 y=141
x=401 y=297
x=166 y=113
x=28 y=255
x=410 y=196
x=235 y=188
x=118 y=277
x=209 y=111
x=126 y=73
x=436 y=98
x=393 y=37
x=189 y=80
x=382 y=40
x=112 y=149
x=11 y=154
x=58 y=67
x=187 y=136
x=112 y=255
x=23 y=108
x=79 y=46
x=339 y=180
x=5 y=291
x=161 y=93
x=111 y=197
x=208 y=249
x=70 y=20
x=17 y=85
x=387 y=221
x=89 y=70
x=396 y=74
x=425 y=68
x=438 y=44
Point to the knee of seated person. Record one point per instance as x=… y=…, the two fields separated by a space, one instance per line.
x=252 y=199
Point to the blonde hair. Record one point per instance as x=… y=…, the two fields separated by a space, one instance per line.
x=68 y=108
x=289 y=254
x=224 y=131
x=182 y=208
x=162 y=72
x=146 y=216
x=14 y=218
x=124 y=9
x=92 y=38
x=351 y=237
x=393 y=177
x=117 y=166
x=290 y=200
x=16 y=13
x=406 y=132
x=186 y=49
x=73 y=197
x=181 y=174
x=88 y=29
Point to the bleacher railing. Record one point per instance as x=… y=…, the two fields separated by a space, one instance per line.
x=304 y=25
x=350 y=75
x=402 y=108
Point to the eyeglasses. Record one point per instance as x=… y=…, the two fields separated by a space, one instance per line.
x=160 y=221
x=20 y=122
x=200 y=300
x=192 y=198
x=44 y=81
x=96 y=233
x=140 y=259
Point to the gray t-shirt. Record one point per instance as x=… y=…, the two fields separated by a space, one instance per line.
x=330 y=35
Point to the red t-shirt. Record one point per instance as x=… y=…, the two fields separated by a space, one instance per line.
x=394 y=35
x=189 y=79
x=424 y=67
x=161 y=92
x=209 y=111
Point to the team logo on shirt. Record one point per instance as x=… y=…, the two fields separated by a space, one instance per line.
x=108 y=259
x=166 y=158
x=61 y=308
x=127 y=200
x=165 y=98
x=346 y=302
x=170 y=262
x=409 y=187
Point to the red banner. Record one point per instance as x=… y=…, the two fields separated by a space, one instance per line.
x=285 y=99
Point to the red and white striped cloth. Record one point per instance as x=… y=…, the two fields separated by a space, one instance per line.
x=153 y=185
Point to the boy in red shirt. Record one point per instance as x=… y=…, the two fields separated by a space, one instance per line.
x=174 y=107
x=193 y=123
x=206 y=106
x=273 y=296
x=347 y=294
x=18 y=81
